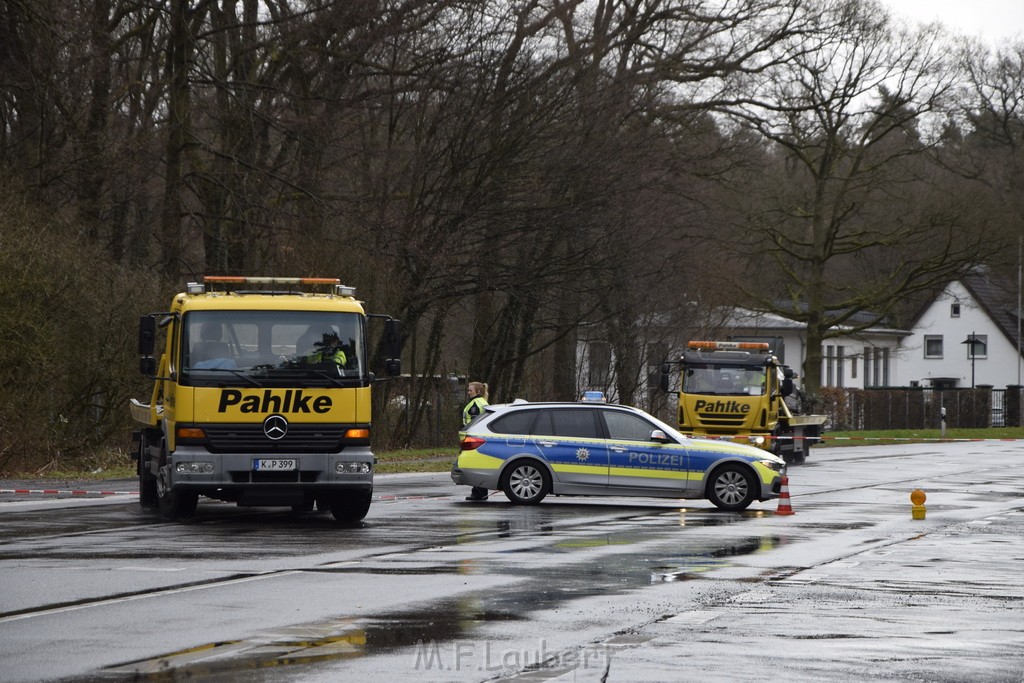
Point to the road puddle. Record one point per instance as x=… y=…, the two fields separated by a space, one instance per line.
x=552 y=565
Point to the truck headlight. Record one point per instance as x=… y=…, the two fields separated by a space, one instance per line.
x=197 y=467
x=756 y=440
x=352 y=467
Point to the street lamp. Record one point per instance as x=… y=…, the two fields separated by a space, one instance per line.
x=972 y=349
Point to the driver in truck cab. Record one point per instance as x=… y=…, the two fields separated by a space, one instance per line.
x=328 y=349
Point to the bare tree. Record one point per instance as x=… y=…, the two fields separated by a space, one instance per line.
x=836 y=233
x=989 y=145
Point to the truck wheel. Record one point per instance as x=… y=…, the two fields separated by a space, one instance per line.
x=732 y=487
x=175 y=504
x=350 y=506
x=148 y=497
x=178 y=504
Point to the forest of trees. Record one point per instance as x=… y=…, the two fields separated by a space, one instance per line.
x=504 y=176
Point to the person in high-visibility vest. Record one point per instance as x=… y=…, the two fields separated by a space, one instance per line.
x=477 y=393
x=328 y=349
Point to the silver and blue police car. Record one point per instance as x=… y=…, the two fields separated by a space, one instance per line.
x=530 y=450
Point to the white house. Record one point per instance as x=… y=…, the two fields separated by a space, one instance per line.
x=853 y=359
x=938 y=352
x=931 y=354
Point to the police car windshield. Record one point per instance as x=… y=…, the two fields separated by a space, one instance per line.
x=724 y=380
x=259 y=343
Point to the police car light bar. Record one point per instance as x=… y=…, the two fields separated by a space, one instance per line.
x=728 y=346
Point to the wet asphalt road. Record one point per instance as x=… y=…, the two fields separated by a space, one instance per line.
x=435 y=588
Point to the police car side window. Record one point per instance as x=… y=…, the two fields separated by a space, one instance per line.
x=575 y=423
x=543 y=427
x=518 y=422
x=626 y=427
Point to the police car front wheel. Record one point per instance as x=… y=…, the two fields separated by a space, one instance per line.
x=526 y=482
x=732 y=487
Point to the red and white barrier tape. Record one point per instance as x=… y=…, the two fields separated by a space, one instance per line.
x=72 y=492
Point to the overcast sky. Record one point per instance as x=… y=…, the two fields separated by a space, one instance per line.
x=994 y=20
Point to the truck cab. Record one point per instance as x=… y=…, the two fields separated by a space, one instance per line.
x=737 y=391
x=261 y=397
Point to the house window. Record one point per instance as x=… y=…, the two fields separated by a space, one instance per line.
x=876 y=367
x=954 y=310
x=980 y=346
x=829 y=365
x=840 y=354
x=853 y=367
x=600 y=364
x=933 y=346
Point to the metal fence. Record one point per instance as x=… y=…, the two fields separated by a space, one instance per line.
x=920 y=408
x=427 y=411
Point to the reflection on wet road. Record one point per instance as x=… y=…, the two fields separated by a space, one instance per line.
x=432 y=587
x=540 y=553
x=534 y=558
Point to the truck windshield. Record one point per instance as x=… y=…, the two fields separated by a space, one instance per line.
x=261 y=343
x=723 y=380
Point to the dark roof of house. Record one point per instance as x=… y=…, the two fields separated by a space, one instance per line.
x=998 y=298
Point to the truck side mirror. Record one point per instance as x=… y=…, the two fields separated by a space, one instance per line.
x=393 y=347
x=147 y=366
x=787 y=386
x=664 y=380
x=147 y=335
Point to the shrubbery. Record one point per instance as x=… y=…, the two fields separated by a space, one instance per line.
x=68 y=320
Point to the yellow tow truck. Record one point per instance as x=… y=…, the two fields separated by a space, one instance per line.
x=261 y=397
x=737 y=391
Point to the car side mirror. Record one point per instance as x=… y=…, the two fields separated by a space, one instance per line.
x=660 y=436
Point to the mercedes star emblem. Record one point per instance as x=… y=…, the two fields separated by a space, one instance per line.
x=275 y=427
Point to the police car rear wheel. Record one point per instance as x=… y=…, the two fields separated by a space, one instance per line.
x=526 y=483
x=732 y=488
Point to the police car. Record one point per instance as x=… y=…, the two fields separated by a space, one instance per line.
x=530 y=450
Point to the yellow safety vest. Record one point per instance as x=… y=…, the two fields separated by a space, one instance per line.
x=472 y=409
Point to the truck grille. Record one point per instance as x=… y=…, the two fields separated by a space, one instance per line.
x=710 y=421
x=249 y=438
x=296 y=477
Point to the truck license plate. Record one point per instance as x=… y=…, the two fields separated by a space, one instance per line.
x=276 y=464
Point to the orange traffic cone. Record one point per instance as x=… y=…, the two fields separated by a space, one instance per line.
x=784 y=507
